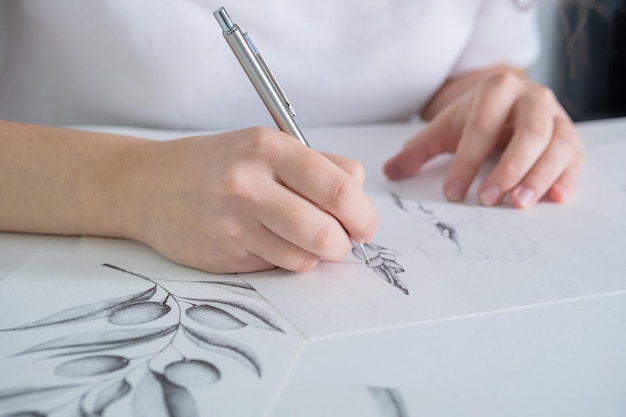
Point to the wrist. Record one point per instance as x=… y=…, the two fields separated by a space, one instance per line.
x=131 y=185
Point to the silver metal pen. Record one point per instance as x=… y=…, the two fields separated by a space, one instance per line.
x=264 y=81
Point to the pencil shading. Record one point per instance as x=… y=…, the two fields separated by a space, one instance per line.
x=383 y=262
x=389 y=402
x=142 y=348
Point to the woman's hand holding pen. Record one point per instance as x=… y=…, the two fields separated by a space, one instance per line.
x=249 y=200
x=499 y=108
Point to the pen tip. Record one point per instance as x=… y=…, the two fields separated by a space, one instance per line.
x=364 y=252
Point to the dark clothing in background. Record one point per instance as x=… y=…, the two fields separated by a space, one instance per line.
x=591 y=69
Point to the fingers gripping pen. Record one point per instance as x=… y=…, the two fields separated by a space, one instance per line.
x=264 y=81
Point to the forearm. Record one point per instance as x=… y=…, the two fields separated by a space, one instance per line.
x=62 y=181
x=456 y=87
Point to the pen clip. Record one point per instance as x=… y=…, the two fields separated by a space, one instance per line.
x=269 y=73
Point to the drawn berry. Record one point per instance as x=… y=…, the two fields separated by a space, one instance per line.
x=214 y=317
x=192 y=373
x=139 y=313
x=91 y=366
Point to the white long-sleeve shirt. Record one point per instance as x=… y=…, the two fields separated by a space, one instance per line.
x=165 y=63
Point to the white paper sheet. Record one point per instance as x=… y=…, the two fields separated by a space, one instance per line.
x=449 y=260
x=442 y=261
x=16 y=248
x=316 y=400
x=558 y=359
x=611 y=157
x=80 y=337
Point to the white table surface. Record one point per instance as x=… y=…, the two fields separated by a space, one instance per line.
x=562 y=358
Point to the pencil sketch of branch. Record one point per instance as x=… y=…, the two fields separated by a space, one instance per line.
x=389 y=401
x=383 y=262
x=467 y=232
x=153 y=322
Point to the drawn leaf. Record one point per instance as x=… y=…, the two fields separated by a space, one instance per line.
x=389 y=401
x=139 y=313
x=192 y=373
x=91 y=366
x=214 y=318
x=376 y=261
x=155 y=396
x=250 y=314
x=96 y=402
x=102 y=339
x=224 y=346
x=239 y=288
x=247 y=313
x=86 y=312
x=29 y=413
x=23 y=398
x=389 y=263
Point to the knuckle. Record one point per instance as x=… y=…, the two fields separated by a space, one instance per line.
x=237 y=187
x=260 y=132
x=305 y=263
x=356 y=170
x=263 y=142
x=509 y=174
x=464 y=167
x=538 y=127
x=339 y=191
x=230 y=230
x=483 y=123
x=544 y=93
x=323 y=238
x=571 y=142
x=503 y=80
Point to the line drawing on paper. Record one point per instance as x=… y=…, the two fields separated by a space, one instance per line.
x=466 y=232
x=383 y=262
x=389 y=401
x=126 y=359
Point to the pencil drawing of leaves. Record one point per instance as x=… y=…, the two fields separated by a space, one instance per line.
x=239 y=288
x=249 y=314
x=19 y=398
x=192 y=373
x=28 y=413
x=214 y=318
x=155 y=396
x=224 y=346
x=101 y=340
x=390 y=401
x=383 y=262
x=87 y=312
x=138 y=313
x=91 y=366
x=94 y=403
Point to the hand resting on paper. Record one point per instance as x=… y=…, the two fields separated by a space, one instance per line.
x=473 y=114
x=250 y=199
x=240 y=201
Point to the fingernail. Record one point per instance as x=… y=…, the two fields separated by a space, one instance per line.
x=525 y=196
x=455 y=190
x=490 y=195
